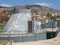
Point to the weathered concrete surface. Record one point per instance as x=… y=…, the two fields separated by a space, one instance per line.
x=54 y=41
x=26 y=38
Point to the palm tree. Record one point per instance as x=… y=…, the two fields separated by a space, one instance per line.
x=51 y=16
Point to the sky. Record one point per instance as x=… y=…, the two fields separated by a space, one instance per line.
x=49 y=3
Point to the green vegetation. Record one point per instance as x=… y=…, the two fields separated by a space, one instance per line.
x=1 y=21
x=58 y=21
x=1 y=28
x=50 y=17
x=3 y=42
x=27 y=7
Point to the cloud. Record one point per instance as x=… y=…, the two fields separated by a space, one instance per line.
x=44 y=4
x=5 y=5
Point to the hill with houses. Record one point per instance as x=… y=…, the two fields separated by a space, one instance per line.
x=6 y=12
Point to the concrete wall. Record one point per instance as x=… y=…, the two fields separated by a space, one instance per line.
x=31 y=37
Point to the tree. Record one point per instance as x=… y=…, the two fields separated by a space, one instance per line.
x=27 y=7
x=51 y=17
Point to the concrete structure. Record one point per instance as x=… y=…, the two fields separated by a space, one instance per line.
x=22 y=22
x=18 y=22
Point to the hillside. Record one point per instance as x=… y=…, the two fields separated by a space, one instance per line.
x=43 y=9
x=5 y=12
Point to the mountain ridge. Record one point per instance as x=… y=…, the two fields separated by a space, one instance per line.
x=6 y=11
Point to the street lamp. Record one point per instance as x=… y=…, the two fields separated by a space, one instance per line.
x=52 y=24
x=52 y=21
